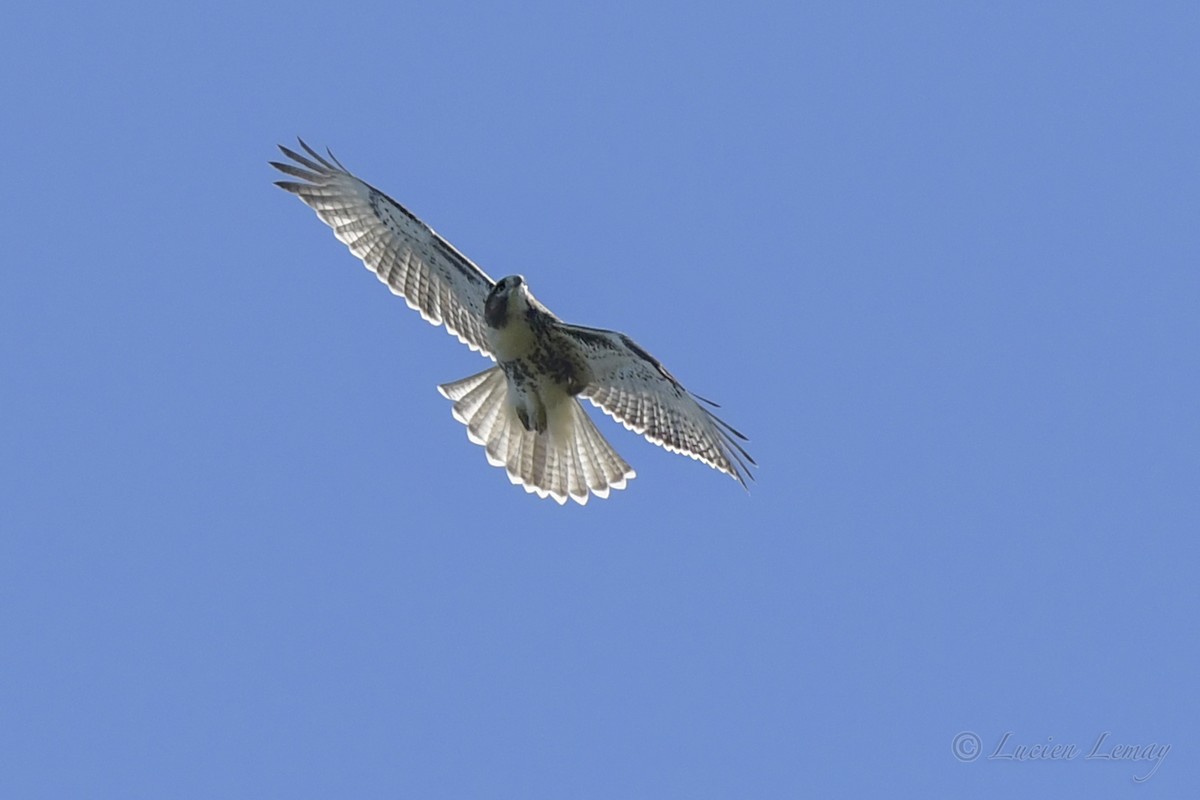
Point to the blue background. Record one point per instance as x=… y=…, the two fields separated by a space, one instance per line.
x=939 y=261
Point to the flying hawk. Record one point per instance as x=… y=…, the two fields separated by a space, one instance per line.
x=524 y=410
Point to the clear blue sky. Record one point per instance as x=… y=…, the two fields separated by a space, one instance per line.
x=939 y=261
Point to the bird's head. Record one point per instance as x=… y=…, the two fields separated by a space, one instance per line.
x=508 y=297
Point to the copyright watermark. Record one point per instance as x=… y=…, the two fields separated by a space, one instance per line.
x=968 y=746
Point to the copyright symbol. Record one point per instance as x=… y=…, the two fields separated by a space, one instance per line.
x=966 y=746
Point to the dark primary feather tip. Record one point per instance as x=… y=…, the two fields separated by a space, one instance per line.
x=296 y=172
x=335 y=159
x=299 y=159
x=316 y=155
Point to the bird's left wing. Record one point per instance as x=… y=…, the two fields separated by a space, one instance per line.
x=415 y=263
x=631 y=386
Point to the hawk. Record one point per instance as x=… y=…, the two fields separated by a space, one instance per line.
x=525 y=410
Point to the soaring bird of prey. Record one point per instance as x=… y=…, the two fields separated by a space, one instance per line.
x=524 y=411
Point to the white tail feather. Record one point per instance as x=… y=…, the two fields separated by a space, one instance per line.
x=569 y=459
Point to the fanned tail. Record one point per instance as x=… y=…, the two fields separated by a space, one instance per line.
x=570 y=459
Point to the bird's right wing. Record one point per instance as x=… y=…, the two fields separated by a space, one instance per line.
x=415 y=263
